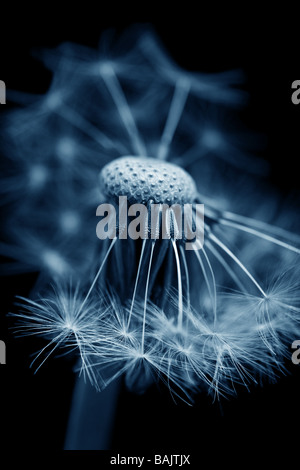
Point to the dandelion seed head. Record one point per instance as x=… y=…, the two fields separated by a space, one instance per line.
x=137 y=102
x=69 y=221
x=54 y=262
x=60 y=316
x=65 y=149
x=37 y=176
x=142 y=178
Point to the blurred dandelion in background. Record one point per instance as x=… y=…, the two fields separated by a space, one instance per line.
x=125 y=120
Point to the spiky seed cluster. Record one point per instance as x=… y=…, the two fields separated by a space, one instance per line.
x=142 y=178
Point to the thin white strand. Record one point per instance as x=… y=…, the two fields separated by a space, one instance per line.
x=259 y=234
x=211 y=294
x=97 y=275
x=146 y=296
x=179 y=282
x=111 y=81
x=237 y=261
x=225 y=265
x=214 y=284
x=260 y=225
x=136 y=281
x=187 y=277
x=180 y=95
x=88 y=128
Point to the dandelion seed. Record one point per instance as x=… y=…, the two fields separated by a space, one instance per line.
x=58 y=316
x=129 y=123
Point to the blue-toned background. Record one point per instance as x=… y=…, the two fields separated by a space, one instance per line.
x=36 y=407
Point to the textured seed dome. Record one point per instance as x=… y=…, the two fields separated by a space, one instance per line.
x=143 y=178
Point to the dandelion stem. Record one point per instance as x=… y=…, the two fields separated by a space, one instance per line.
x=146 y=295
x=180 y=95
x=97 y=275
x=92 y=416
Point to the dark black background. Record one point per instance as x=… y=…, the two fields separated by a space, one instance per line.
x=34 y=408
